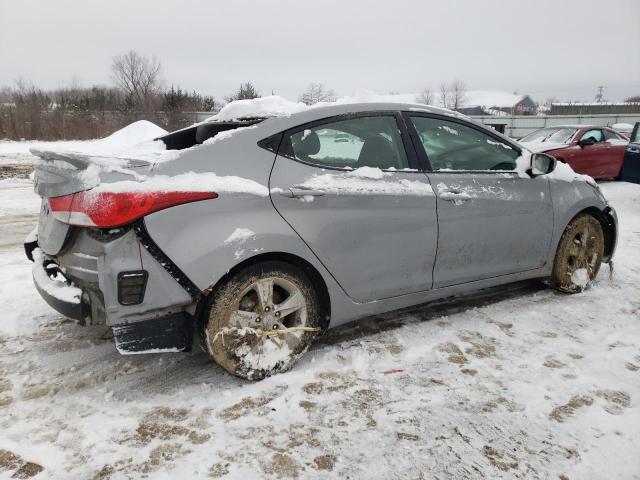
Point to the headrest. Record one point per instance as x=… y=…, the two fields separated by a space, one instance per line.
x=309 y=144
x=376 y=152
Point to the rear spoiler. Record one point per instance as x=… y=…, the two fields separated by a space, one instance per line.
x=83 y=160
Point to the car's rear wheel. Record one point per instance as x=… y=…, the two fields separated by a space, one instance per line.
x=262 y=320
x=579 y=255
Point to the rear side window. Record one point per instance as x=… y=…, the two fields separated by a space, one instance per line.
x=611 y=135
x=352 y=143
x=453 y=146
x=595 y=134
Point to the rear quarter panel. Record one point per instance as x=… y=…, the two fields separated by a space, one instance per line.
x=199 y=237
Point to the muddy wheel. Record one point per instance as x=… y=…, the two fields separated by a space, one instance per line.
x=262 y=320
x=579 y=255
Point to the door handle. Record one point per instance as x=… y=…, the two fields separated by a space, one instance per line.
x=455 y=196
x=299 y=191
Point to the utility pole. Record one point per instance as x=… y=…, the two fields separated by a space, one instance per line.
x=600 y=94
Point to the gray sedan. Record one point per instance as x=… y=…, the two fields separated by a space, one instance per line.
x=257 y=234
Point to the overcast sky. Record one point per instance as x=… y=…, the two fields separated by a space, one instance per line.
x=542 y=47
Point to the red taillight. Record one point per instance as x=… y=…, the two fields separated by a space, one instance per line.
x=114 y=209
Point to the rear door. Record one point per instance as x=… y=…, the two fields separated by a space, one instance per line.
x=349 y=187
x=492 y=221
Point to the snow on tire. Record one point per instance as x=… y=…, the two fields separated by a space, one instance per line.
x=579 y=255
x=262 y=320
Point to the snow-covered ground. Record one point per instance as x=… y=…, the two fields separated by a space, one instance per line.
x=516 y=382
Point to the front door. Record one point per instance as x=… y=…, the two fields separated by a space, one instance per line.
x=493 y=220
x=592 y=159
x=346 y=187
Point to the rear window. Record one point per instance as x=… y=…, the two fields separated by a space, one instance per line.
x=191 y=136
x=367 y=141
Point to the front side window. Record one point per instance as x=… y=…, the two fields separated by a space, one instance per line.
x=353 y=143
x=453 y=146
x=595 y=134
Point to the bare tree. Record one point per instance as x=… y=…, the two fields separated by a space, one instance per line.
x=317 y=92
x=246 y=91
x=444 y=95
x=425 y=97
x=138 y=76
x=453 y=96
x=458 y=94
x=633 y=99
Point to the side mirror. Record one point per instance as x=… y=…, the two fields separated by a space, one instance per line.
x=541 y=164
x=586 y=141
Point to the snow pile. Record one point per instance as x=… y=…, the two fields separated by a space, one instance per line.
x=276 y=106
x=262 y=353
x=255 y=351
x=187 y=182
x=580 y=277
x=271 y=106
x=564 y=172
x=133 y=141
x=366 y=181
x=368 y=172
x=135 y=133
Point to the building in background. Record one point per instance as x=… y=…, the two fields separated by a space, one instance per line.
x=485 y=102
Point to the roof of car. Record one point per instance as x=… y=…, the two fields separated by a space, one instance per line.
x=279 y=123
x=575 y=125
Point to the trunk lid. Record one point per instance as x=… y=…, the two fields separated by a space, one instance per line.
x=66 y=173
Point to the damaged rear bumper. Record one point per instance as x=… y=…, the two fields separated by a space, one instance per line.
x=56 y=289
x=115 y=278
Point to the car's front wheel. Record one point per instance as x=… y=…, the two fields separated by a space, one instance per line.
x=579 y=255
x=262 y=320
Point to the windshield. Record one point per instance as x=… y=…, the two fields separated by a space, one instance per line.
x=551 y=135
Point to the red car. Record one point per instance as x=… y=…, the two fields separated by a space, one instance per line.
x=588 y=149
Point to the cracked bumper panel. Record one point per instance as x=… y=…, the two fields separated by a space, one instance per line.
x=92 y=261
x=168 y=334
x=56 y=289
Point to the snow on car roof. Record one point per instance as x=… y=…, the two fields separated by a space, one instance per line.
x=276 y=106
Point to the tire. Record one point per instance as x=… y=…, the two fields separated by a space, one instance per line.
x=579 y=255
x=243 y=316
